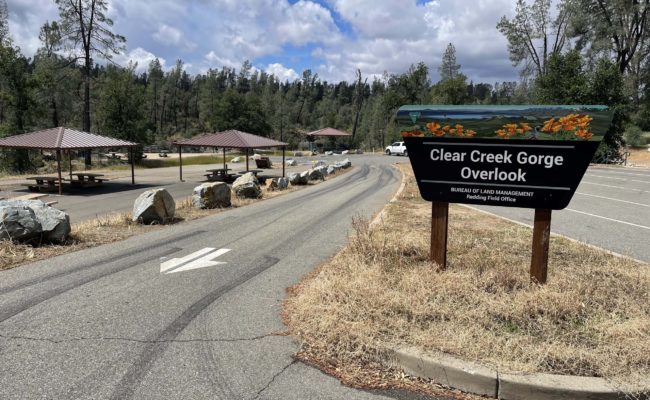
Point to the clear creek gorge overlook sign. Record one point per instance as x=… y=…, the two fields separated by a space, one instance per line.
x=515 y=156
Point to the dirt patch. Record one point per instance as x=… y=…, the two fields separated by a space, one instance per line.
x=381 y=292
x=639 y=158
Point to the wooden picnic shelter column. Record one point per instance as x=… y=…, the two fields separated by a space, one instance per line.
x=246 y=159
x=58 y=168
x=284 y=148
x=70 y=162
x=224 y=162
x=180 y=159
x=132 y=155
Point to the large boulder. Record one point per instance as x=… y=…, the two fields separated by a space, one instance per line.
x=296 y=178
x=298 y=154
x=247 y=187
x=236 y=160
x=18 y=223
x=211 y=195
x=323 y=170
x=344 y=152
x=24 y=219
x=346 y=163
x=320 y=163
x=279 y=183
x=291 y=162
x=329 y=153
x=331 y=170
x=316 y=175
x=155 y=205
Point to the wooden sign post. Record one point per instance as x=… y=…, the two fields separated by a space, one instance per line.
x=541 y=239
x=439 y=224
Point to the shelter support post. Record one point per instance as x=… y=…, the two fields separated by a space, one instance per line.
x=541 y=239
x=180 y=162
x=247 y=159
x=284 y=149
x=132 y=166
x=439 y=224
x=58 y=169
x=225 y=172
x=70 y=163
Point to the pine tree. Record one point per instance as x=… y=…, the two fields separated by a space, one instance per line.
x=449 y=67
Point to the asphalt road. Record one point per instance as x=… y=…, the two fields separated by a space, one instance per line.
x=105 y=323
x=611 y=209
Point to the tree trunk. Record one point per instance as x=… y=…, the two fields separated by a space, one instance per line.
x=86 y=113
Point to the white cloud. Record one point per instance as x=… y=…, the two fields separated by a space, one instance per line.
x=169 y=36
x=281 y=72
x=333 y=38
x=140 y=56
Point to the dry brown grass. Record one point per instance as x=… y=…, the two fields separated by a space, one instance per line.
x=381 y=292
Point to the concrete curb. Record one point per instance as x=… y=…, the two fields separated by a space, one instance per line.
x=473 y=378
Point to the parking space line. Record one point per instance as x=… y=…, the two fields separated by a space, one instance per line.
x=617 y=172
x=618 y=179
x=612 y=199
x=616 y=187
x=609 y=219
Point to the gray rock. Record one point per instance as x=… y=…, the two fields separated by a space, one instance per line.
x=320 y=163
x=18 y=223
x=297 y=154
x=344 y=152
x=279 y=183
x=211 y=195
x=323 y=170
x=291 y=162
x=316 y=175
x=359 y=151
x=155 y=205
x=346 y=163
x=247 y=186
x=304 y=177
x=295 y=179
x=329 y=153
x=51 y=223
x=236 y=160
x=331 y=170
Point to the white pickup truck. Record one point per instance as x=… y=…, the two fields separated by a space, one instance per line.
x=396 y=148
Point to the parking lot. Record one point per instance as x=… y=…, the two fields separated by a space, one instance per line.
x=610 y=209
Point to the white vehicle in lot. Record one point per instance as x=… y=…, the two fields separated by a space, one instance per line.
x=396 y=148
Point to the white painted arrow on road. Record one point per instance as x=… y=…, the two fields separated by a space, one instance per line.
x=199 y=259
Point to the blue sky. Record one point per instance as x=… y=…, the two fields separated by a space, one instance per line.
x=333 y=38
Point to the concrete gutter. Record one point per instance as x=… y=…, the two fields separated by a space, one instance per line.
x=473 y=378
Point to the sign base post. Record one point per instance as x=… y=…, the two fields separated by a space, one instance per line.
x=439 y=223
x=541 y=238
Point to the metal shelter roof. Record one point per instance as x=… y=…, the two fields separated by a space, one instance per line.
x=62 y=138
x=231 y=139
x=328 y=132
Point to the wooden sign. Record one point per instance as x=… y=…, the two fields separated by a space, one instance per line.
x=512 y=156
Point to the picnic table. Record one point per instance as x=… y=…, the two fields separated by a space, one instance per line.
x=43 y=184
x=87 y=179
x=218 y=174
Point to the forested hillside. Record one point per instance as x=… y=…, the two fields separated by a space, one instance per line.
x=71 y=81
